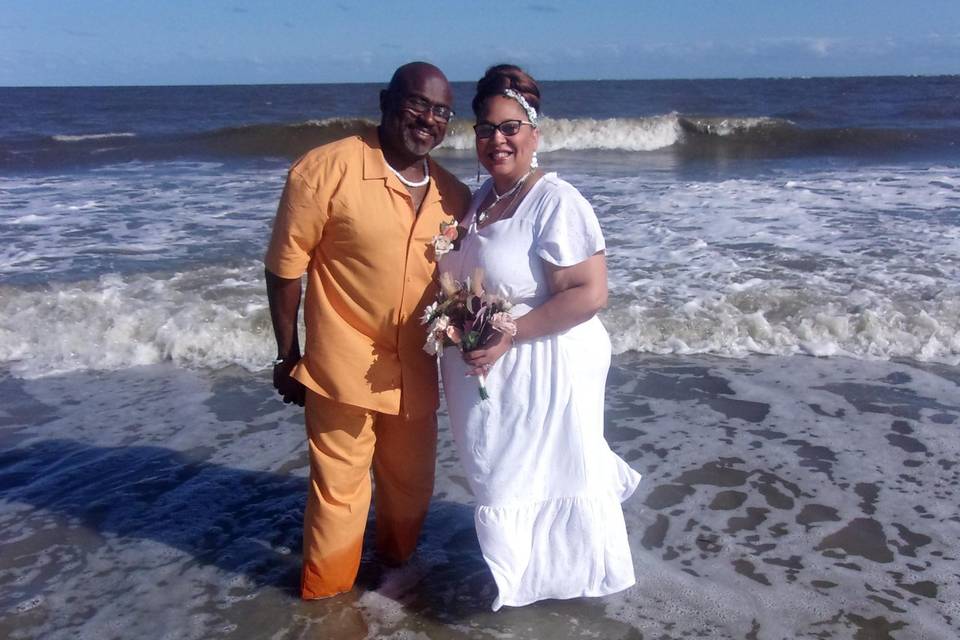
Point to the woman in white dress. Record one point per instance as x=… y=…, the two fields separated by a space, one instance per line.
x=547 y=485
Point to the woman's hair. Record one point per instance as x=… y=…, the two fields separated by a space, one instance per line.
x=501 y=77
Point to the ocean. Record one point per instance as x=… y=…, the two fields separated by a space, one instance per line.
x=784 y=259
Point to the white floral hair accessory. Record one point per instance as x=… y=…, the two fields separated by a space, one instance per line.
x=531 y=112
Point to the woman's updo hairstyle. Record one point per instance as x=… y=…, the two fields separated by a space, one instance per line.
x=501 y=77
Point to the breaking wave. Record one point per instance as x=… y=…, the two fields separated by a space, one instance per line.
x=686 y=135
x=92 y=136
x=218 y=316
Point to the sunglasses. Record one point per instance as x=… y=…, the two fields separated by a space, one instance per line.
x=419 y=106
x=507 y=128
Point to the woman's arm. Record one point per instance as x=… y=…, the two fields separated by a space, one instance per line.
x=578 y=292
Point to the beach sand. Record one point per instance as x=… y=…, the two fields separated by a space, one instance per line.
x=782 y=497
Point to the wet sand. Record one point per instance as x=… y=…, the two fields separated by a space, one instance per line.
x=783 y=497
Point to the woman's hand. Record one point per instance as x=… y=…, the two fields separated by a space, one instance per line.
x=480 y=360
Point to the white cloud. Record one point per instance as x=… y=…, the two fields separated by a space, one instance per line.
x=820 y=46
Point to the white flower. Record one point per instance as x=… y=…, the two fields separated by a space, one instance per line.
x=433 y=344
x=441 y=245
x=428 y=312
x=439 y=324
x=435 y=335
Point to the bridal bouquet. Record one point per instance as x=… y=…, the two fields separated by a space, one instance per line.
x=466 y=316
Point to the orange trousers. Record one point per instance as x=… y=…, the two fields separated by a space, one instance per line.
x=345 y=443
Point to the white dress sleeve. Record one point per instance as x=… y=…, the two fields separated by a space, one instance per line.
x=568 y=231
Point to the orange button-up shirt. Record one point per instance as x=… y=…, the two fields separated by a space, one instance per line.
x=349 y=222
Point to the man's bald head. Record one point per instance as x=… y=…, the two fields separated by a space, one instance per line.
x=414 y=74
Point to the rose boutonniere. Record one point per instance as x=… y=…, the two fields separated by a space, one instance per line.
x=448 y=239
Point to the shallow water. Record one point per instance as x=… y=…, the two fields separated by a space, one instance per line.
x=783 y=497
x=151 y=487
x=144 y=263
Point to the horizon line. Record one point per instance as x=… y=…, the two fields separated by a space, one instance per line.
x=294 y=84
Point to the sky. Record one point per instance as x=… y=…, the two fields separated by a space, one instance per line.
x=151 y=42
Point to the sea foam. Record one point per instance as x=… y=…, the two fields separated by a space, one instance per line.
x=216 y=316
x=625 y=134
x=189 y=319
x=131 y=265
x=92 y=136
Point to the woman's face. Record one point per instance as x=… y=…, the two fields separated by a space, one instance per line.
x=506 y=158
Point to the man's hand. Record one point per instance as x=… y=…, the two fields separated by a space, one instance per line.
x=290 y=388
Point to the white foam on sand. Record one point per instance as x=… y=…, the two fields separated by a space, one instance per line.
x=795 y=497
x=781 y=497
x=152 y=506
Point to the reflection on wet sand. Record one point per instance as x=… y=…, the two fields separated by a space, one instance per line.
x=782 y=497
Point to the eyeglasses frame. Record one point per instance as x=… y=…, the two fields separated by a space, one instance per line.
x=440 y=112
x=496 y=127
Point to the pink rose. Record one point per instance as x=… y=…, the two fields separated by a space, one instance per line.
x=504 y=323
x=454 y=334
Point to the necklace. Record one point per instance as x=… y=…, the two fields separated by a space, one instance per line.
x=484 y=213
x=411 y=183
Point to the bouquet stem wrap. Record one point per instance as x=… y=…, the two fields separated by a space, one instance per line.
x=482 y=379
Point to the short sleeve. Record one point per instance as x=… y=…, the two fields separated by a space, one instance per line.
x=568 y=231
x=297 y=228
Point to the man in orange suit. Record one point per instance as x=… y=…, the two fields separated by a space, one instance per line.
x=358 y=216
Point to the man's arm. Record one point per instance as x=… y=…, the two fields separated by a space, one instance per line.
x=284 y=296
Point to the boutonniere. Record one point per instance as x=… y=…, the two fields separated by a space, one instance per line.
x=448 y=239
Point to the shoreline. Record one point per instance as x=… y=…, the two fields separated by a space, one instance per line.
x=161 y=496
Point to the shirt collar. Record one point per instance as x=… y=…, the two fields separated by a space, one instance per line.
x=374 y=164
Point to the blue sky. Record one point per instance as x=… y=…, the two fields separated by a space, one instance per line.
x=117 y=42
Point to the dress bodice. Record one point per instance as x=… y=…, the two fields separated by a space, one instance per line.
x=511 y=250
